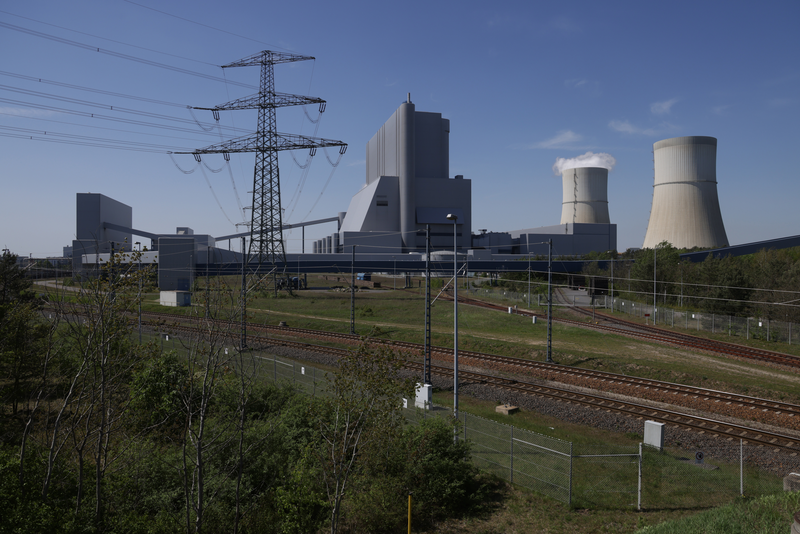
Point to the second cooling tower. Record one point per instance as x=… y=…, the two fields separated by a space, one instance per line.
x=685 y=210
x=585 y=196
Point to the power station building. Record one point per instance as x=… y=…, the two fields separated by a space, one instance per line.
x=685 y=211
x=407 y=188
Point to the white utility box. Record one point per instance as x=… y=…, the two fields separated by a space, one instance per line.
x=424 y=398
x=176 y=298
x=654 y=434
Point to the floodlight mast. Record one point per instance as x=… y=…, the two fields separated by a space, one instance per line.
x=266 y=230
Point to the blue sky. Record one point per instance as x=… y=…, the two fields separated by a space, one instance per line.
x=523 y=83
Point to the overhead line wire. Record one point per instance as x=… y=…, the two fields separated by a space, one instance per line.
x=89 y=89
x=107 y=39
x=88 y=114
x=88 y=103
x=121 y=55
x=98 y=127
x=203 y=25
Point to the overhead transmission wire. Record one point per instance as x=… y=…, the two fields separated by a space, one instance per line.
x=90 y=89
x=120 y=55
x=28 y=117
x=230 y=170
x=305 y=168
x=295 y=199
x=107 y=39
x=330 y=176
x=87 y=114
x=68 y=141
x=201 y=24
x=89 y=103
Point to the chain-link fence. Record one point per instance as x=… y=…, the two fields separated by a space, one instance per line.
x=586 y=475
x=746 y=327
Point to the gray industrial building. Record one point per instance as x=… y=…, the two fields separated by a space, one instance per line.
x=407 y=188
x=97 y=228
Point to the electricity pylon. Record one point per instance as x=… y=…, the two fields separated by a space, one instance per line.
x=266 y=230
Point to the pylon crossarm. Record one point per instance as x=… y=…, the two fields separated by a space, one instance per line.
x=267 y=57
x=256 y=101
x=251 y=143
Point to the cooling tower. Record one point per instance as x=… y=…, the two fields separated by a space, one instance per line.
x=585 y=196
x=685 y=210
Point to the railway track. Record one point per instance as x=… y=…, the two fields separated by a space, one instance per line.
x=701 y=425
x=771 y=412
x=656 y=335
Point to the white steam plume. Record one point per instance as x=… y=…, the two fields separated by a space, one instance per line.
x=590 y=159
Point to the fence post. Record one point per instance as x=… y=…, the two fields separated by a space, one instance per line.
x=741 y=467
x=712 y=324
x=465 y=426
x=569 y=499
x=275 y=367
x=748 y=328
x=768 y=337
x=639 y=499
x=730 y=319
x=512 y=454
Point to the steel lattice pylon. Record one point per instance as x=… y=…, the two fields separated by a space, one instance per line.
x=266 y=231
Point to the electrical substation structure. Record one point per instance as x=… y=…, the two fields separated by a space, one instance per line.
x=266 y=229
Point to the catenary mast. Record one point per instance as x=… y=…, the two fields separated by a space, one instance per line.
x=266 y=230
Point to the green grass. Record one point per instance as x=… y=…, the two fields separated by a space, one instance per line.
x=771 y=514
x=668 y=481
x=399 y=315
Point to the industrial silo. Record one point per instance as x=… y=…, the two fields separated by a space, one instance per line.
x=585 y=195
x=685 y=211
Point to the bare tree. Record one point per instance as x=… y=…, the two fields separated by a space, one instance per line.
x=364 y=407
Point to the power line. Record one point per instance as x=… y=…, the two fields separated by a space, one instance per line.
x=87 y=114
x=111 y=40
x=203 y=25
x=98 y=127
x=121 y=55
x=91 y=90
x=70 y=100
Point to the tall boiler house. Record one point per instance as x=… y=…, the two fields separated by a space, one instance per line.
x=685 y=210
x=585 y=196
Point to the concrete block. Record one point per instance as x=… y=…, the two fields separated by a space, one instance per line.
x=506 y=409
x=791 y=482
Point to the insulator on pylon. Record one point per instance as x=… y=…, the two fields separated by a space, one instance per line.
x=196 y=157
x=226 y=156
x=215 y=112
x=322 y=107
x=343 y=149
x=312 y=152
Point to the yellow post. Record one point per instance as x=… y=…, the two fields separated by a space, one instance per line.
x=409 y=512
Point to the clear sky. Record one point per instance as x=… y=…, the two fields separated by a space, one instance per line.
x=523 y=83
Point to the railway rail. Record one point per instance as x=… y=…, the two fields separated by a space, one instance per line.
x=656 y=335
x=782 y=414
x=703 y=425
